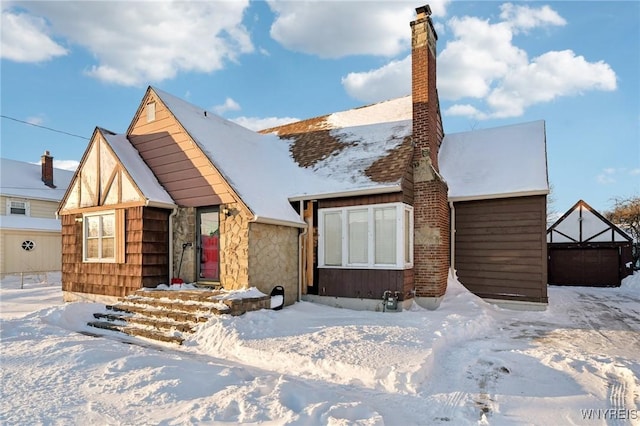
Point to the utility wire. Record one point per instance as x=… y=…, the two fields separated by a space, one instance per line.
x=44 y=127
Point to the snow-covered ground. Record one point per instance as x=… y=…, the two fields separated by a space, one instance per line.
x=466 y=363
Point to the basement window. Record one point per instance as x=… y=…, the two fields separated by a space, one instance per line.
x=377 y=236
x=103 y=236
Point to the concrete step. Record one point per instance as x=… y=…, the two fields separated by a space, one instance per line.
x=137 y=331
x=168 y=315
x=149 y=322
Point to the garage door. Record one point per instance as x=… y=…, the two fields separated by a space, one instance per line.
x=584 y=267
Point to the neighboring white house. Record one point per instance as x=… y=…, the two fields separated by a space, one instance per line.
x=30 y=233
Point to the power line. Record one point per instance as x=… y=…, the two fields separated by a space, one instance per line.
x=44 y=127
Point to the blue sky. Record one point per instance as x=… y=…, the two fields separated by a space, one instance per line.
x=75 y=65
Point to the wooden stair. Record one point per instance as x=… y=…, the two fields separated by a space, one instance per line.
x=168 y=316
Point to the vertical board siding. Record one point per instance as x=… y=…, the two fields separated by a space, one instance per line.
x=146 y=256
x=500 y=248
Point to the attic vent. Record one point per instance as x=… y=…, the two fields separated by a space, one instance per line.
x=151 y=112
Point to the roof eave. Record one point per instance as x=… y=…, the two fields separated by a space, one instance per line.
x=350 y=193
x=499 y=196
x=280 y=222
x=160 y=204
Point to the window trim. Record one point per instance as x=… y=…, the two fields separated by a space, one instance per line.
x=27 y=207
x=400 y=213
x=118 y=237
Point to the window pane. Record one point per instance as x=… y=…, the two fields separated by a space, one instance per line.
x=108 y=225
x=407 y=236
x=333 y=238
x=358 y=239
x=92 y=249
x=385 y=235
x=92 y=226
x=108 y=248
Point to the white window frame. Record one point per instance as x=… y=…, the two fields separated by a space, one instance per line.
x=85 y=222
x=400 y=263
x=10 y=205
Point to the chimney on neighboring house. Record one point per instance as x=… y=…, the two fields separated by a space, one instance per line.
x=47 y=169
x=430 y=204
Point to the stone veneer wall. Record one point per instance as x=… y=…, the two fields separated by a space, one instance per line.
x=273 y=259
x=234 y=248
x=184 y=231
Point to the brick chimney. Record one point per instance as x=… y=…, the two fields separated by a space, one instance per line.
x=430 y=204
x=47 y=169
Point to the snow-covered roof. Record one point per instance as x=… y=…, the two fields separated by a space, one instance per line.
x=357 y=151
x=22 y=222
x=22 y=179
x=262 y=170
x=137 y=169
x=494 y=163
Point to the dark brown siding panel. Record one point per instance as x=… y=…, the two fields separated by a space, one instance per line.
x=361 y=283
x=500 y=248
x=393 y=197
x=589 y=266
x=155 y=242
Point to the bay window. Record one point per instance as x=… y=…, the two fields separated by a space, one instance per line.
x=373 y=236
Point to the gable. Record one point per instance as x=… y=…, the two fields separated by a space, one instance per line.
x=101 y=180
x=582 y=224
x=178 y=163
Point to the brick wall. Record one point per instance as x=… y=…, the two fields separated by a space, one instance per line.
x=431 y=211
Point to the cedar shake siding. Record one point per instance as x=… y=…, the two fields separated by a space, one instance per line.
x=500 y=251
x=146 y=262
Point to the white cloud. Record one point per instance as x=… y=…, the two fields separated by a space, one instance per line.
x=25 y=38
x=228 y=105
x=610 y=175
x=492 y=77
x=465 y=110
x=36 y=120
x=390 y=81
x=334 y=29
x=482 y=63
x=526 y=18
x=255 y=123
x=547 y=77
x=149 y=41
